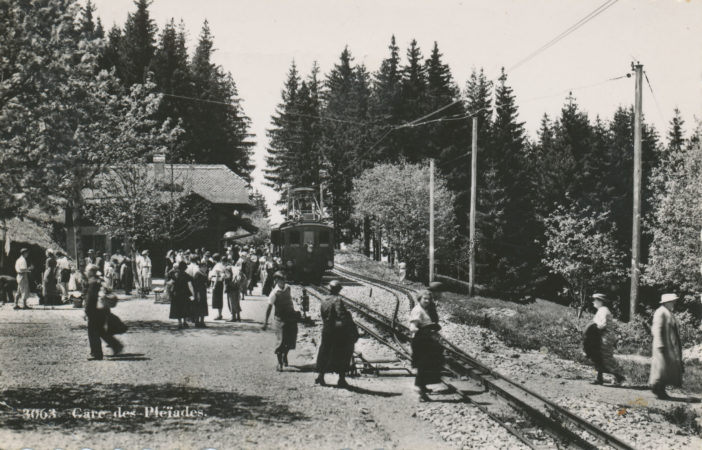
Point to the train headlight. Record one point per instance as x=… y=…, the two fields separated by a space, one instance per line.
x=330 y=263
x=289 y=263
x=309 y=249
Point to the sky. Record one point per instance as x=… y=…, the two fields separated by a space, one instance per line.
x=257 y=40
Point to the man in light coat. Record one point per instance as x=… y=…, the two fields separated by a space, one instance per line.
x=666 y=355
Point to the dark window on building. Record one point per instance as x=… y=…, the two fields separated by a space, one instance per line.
x=294 y=238
x=275 y=237
x=323 y=238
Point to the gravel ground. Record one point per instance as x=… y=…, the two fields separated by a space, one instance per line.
x=459 y=425
x=629 y=412
x=224 y=375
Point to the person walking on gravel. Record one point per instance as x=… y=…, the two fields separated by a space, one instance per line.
x=603 y=354
x=339 y=334
x=96 y=314
x=285 y=319
x=666 y=355
x=427 y=353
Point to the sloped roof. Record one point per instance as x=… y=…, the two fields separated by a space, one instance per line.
x=31 y=232
x=215 y=183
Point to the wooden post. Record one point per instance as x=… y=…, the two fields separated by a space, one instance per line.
x=473 y=197
x=431 y=220
x=636 y=228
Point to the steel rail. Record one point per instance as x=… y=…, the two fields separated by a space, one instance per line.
x=556 y=414
x=404 y=353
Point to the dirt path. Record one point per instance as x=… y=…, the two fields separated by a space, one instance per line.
x=194 y=388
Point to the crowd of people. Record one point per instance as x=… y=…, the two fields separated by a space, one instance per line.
x=233 y=274
x=236 y=272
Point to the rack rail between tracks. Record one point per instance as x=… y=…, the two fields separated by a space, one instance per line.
x=547 y=414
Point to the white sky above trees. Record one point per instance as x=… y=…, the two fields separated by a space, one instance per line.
x=256 y=40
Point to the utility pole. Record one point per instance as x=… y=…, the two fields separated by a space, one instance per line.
x=473 y=196
x=431 y=220
x=636 y=228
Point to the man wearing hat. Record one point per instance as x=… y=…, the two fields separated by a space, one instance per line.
x=90 y=259
x=144 y=268
x=23 y=268
x=666 y=355
x=436 y=288
x=97 y=316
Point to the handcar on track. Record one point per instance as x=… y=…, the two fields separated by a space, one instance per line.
x=305 y=241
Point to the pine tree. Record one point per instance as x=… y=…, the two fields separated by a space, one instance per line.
x=137 y=44
x=456 y=164
x=110 y=58
x=386 y=106
x=86 y=24
x=510 y=253
x=414 y=104
x=281 y=135
x=620 y=175
x=445 y=139
x=676 y=135
x=216 y=123
x=172 y=76
x=345 y=143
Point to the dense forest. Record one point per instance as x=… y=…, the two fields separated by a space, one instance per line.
x=577 y=168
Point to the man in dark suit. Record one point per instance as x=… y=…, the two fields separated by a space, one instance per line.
x=97 y=315
x=8 y=286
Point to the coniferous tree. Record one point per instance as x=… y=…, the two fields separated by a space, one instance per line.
x=110 y=58
x=414 y=104
x=676 y=135
x=282 y=135
x=346 y=140
x=509 y=251
x=447 y=137
x=216 y=123
x=137 y=44
x=620 y=175
x=386 y=104
x=86 y=24
x=172 y=76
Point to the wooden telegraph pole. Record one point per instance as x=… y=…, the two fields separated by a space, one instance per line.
x=431 y=220
x=473 y=196
x=636 y=228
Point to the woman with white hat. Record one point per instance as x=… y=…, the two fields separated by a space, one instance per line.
x=666 y=355
x=604 y=359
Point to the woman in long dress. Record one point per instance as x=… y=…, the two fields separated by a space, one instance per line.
x=200 y=282
x=217 y=277
x=182 y=293
x=49 y=284
x=285 y=320
x=232 y=290
x=604 y=321
x=339 y=334
x=427 y=353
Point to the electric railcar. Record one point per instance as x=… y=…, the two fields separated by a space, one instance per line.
x=304 y=242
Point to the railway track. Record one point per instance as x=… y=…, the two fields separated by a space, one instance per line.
x=564 y=427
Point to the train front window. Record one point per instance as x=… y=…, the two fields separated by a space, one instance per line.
x=309 y=237
x=323 y=238
x=294 y=238
x=275 y=237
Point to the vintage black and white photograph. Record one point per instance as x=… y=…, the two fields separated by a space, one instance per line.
x=350 y=224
